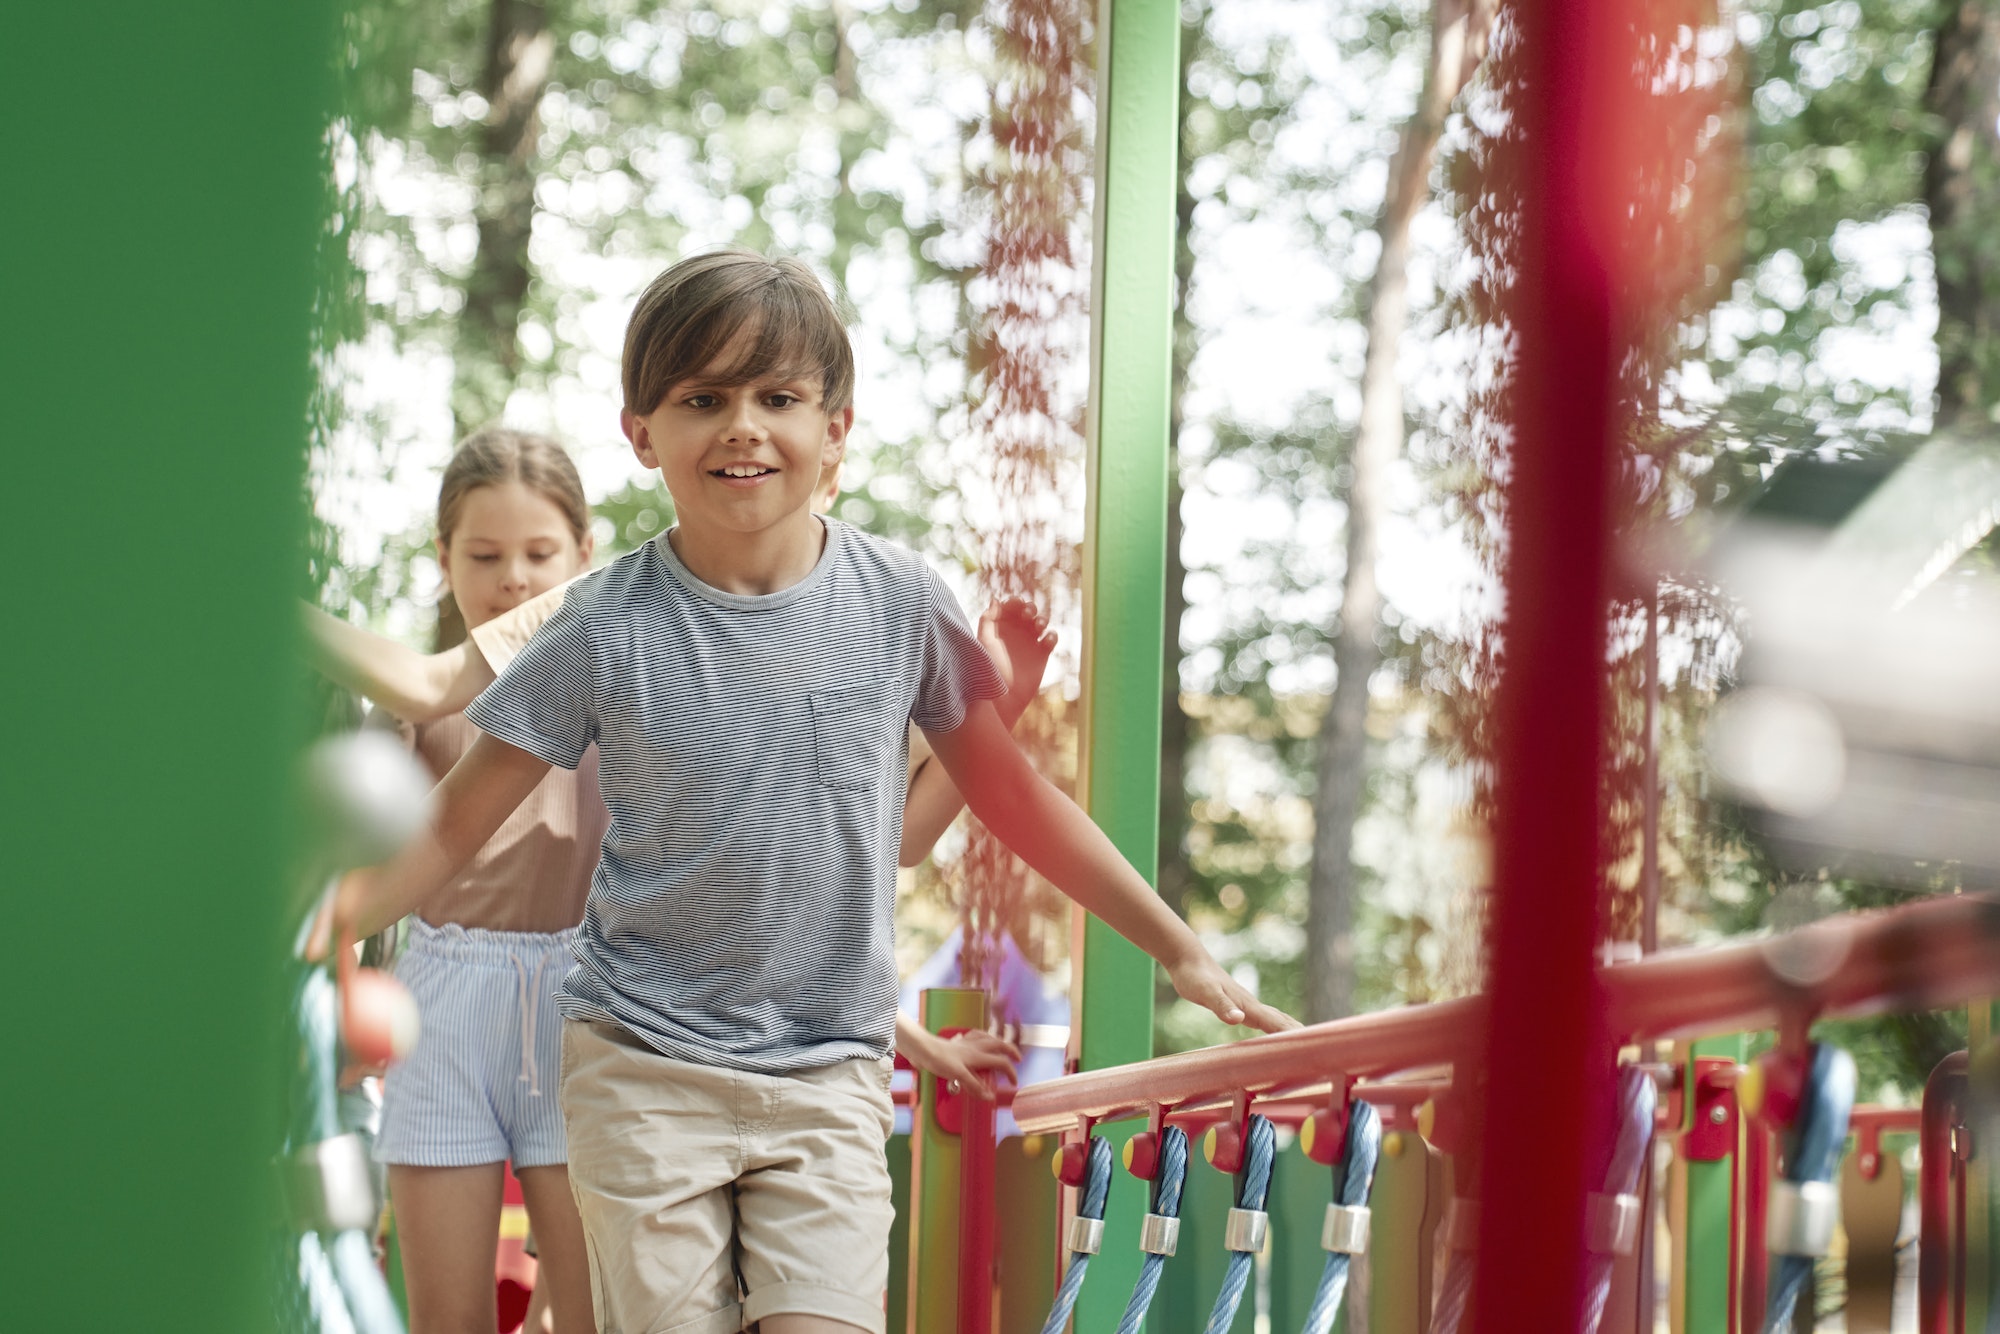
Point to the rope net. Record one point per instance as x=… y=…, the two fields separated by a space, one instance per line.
x=1028 y=362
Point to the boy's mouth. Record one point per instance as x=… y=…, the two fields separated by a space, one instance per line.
x=742 y=472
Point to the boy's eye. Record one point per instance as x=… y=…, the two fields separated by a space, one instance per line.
x=487 y=559
x=782 y=400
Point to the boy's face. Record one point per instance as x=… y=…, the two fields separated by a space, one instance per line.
x=740 y=458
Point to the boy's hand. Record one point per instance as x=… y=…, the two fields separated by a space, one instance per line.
x=1199 y=978
x=962 y=1057
x=1018 y=639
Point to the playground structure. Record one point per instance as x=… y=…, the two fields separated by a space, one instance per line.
x=1520 y=1082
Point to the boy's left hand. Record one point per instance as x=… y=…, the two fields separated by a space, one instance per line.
x=1199 y=978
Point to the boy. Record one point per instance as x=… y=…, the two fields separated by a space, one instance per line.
x=748 y=679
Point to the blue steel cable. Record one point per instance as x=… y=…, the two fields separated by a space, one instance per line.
x=1812 y=1153
x=1096 y=1185
x=1252 y=1188
x=1167 y=1188
x=1357 y=1178
x=1636 y=1096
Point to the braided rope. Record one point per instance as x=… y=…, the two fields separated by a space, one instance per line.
x=1096 y=1186
x=1357 y=1178
x=1636 y=1096
x=1252 y=1188
x=1812 y=1153
x=1167 y=1189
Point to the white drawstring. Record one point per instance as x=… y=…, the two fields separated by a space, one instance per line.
x=530 y=995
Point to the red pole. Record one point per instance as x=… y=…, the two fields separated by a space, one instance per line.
x=1548 y=1105
x=975 y=1215
x=1753 y=1262
x=1936 y=1240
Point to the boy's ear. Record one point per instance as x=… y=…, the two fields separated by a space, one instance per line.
x=634 y=427
x=837 y=427
x=444 y=562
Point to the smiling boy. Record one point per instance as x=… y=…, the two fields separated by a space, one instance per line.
x=748 y=679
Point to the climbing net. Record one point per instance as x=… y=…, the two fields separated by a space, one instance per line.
x=1029 y=339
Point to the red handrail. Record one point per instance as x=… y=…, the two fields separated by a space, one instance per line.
x=1922 y=955
x=1940 y=1245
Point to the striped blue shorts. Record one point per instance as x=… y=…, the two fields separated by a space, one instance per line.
x=480 y=1087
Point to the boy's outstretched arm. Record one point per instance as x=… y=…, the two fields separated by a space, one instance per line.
x=964 y=1059
x=479 y=793
x=1019 y=641
x=1057 y=839
x=416 y=687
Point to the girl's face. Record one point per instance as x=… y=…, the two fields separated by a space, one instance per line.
x=510 y=543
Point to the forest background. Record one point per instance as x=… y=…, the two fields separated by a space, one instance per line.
x=506 y=175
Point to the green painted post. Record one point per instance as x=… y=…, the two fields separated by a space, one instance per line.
x=1701 y=1207
x=163 y=207
x=1138 y=85
x=934 y=1177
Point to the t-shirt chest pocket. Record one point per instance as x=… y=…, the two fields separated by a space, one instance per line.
x=851 y=733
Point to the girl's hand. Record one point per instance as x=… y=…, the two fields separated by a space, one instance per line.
x=962 y=1057
x=1018 y=639
x=1199 y=978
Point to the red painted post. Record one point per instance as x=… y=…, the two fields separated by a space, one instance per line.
x=975 y=1214
x=1547 y=1112
x=1753 y=1194
x=1937 y=1240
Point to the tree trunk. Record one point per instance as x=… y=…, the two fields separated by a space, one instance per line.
x=1962 y=191
x=1175 y=879
x=1458 y=41
x=520 y=50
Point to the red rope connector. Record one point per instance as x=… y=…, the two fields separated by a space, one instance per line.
x=1223 y=1144
x=1324 y=1134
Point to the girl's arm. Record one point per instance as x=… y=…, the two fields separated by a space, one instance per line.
x=1019 y=641
x=423 y=687
x=479 y=793
x=959 y=1059
x=1057 y=839
x=416 y=687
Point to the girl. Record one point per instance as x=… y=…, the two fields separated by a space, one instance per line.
x=485 y=955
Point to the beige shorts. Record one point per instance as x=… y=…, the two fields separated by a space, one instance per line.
x=712 y=1198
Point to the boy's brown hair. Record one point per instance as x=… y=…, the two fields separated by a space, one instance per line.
x=690 y=314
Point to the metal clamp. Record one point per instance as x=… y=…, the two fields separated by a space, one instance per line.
x=1611 y=1224
x=1246 y=1230
x=1086 y=1235
x=1159 y=1234
x=1802 y=1217
x=328 y=1186
x=1345 y=1231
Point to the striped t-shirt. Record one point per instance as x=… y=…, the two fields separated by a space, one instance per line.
x=751 y=753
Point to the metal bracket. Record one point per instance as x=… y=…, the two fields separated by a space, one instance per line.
x=1611 y=1224
x=1159 y=1234
x=1345 y=1231
x=1086 y=1235
x=328 y=1186
x=1246 y=1230
x=1801 y=1217
x=1710 y=1136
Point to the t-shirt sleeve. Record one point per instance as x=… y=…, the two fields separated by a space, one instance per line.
x=956 y=670
x=502 y=638
x=545 y=701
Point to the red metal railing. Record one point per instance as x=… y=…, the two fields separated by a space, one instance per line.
x=1941 y=1201
x=1920 y=956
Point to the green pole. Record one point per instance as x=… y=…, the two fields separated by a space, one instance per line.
x=934 y=1154
x=1701 y=1206
x=1125 y=551
x=164 y=201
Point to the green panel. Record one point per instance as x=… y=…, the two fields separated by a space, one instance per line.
x=1125 y=550
x=933 y=1225
x=163 y=192
x=1300 y=1191
x=899 y=1235
x=1027 y=1199
x=1194 y=1276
